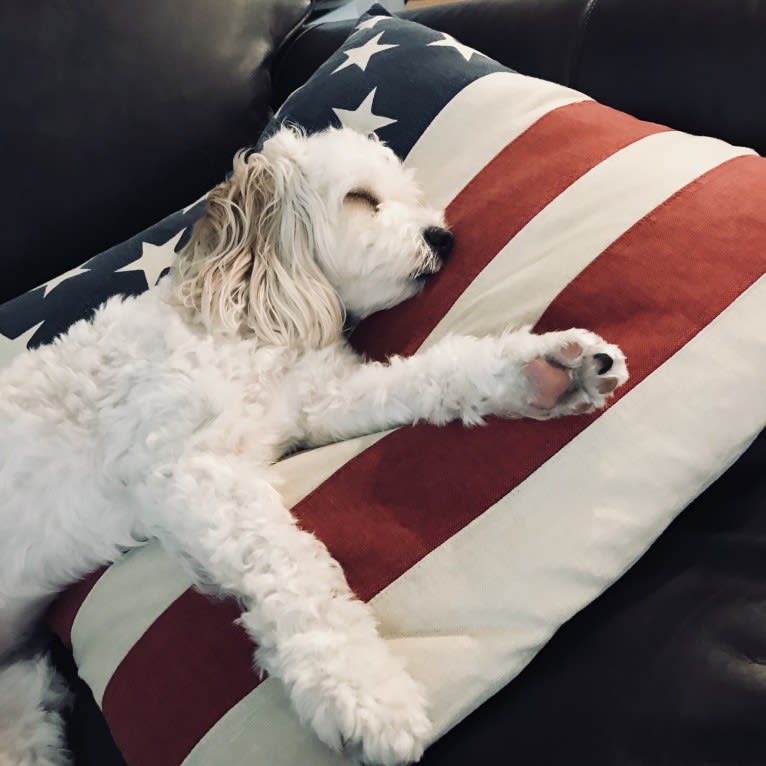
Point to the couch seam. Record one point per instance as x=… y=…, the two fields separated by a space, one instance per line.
x=278 y=53
x=576 y=59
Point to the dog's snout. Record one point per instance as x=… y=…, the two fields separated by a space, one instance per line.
x=605 y=362
x=439 y=240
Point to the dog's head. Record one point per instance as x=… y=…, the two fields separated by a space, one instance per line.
x=308 y=229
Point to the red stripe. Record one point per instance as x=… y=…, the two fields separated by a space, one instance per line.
x=675 y=270
x=190 y=667
x=650 y=292
x=517 y=184
x=64 y=609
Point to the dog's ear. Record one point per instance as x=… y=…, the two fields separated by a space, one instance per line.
x=250 y=262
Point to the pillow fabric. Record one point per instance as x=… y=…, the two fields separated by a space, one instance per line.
x=473 y=545
x=38 y=316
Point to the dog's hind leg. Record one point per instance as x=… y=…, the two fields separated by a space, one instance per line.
x=32 y=695
x=31 y=729
x=311 y=631
x=57 y=523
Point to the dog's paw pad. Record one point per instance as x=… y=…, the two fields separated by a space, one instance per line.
x=576 y=374
x=549 y=382
x=607 y=385
x=571 y=350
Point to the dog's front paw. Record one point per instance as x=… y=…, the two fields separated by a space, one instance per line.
x=576 y=373
x=369 y=707
x=389 y=724
x=386 y=724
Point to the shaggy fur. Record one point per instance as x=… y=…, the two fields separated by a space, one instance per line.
x=162 y=415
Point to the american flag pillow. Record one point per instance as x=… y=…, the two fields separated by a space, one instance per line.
x=475 y=545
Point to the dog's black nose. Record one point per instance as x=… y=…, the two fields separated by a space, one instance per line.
x=605 y=362
x=439 y=240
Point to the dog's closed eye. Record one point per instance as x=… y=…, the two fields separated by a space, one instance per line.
x=365 y=197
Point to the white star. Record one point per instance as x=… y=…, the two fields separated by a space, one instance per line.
x=371 y=22
x=56 y=281
x=361 y=56
x=362 y=118
x=13 y=347
x=450 y=42
x=154 y=259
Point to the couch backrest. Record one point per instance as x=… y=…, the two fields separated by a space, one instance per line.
x=115 y=114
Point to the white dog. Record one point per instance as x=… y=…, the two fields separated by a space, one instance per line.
x=162 y=415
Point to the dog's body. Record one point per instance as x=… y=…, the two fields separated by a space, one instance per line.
x=162 y=416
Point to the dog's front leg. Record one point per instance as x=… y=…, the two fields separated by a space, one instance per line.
x=516 y=374
x=311 y=631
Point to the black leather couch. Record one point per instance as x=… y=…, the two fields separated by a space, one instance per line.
x=115 y=114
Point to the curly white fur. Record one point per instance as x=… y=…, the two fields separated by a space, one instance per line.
x=161 y=416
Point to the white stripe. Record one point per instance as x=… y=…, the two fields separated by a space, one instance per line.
x=560 y=538
x=461 y=140
x=119 y=609
x=300 y=474
x=262 y=729
x=518 y=285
